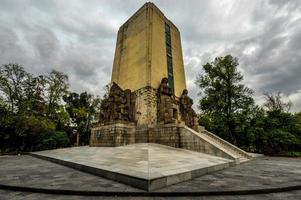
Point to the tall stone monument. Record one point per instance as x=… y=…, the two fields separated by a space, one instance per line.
x=148 y=49
x=148 y=87
x=148 y=101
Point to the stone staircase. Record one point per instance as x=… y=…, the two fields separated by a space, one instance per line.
x=232 y=151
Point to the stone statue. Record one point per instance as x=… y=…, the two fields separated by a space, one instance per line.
x=188 y=115
x=119 y=106
x=165 y=103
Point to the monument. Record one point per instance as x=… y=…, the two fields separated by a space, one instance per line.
x=148 y=88
x=148 y=101
x=148 y=134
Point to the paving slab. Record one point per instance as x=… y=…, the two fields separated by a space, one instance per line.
x=259 y=173
x=147 y=166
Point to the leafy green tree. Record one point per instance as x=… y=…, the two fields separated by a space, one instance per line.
x=54 y=140
x=57 y=87
x=30 y=128
x=83 y=109
x=225 y=100
x=297 y=122
x=34 y=97
x=275 y=103
x=281 y=131
x=8 y=138
x=13 y=78
x=30 y=107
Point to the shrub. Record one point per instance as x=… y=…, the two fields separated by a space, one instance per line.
x=280 y=141
x=53 y=140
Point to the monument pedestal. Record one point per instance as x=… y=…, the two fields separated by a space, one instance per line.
x=120 y=134
x=146 y=166
x=173 y=135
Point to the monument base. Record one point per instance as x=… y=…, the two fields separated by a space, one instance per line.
x=173 y=135
x=146 y=166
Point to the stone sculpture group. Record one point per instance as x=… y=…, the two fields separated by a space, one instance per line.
x=120 y=106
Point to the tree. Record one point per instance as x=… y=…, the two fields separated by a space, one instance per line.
x=274 y=130
x=274 y=102
x=224 y=99
x=34 y=97
x=83 y=109
x=30 y=106
x=13 y=78
x=57 y=87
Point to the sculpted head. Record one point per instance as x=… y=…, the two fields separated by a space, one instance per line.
x=185 y=92
x=164 y=80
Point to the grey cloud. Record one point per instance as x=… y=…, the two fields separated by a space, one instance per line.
x=78 y=38
x=275 y=64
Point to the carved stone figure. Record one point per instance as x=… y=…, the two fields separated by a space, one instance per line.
x=119 y=106
x=188 y=115
x=165 y=103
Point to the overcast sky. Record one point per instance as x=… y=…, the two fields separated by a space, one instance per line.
x=78 y=38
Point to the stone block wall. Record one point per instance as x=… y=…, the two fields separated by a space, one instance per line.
x=142 y=134
x=167 y=134
x=173 y=135
x=194 y=142
x=112 y=135
x=146 y=106
x=123 y=134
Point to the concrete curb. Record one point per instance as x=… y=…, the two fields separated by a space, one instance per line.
x=147 y=194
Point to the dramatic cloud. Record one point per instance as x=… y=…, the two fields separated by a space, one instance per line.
x=78 y=38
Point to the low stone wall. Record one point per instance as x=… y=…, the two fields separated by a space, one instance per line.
x=123 y=134
x=168 y=135
x=112 y=135
x=173 y=135
x=141 y=134
x=193 y=142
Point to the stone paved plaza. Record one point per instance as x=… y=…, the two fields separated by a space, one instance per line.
x=259 y=173
x=143 y=160
x=7 y=195
x=144 y=165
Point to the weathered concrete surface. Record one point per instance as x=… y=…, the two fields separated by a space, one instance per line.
x=11 y=195
x=259 y=173
x=33 y=172
x=147 y=166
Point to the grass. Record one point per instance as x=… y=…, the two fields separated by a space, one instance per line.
x=293 y=154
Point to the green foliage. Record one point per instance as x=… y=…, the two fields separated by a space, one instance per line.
x=35 y=124
x=280 y=141
x=39 y=112
x=56 y=87
x=224 y=99
x=13 y=79
x=53 y=140
x=275 y=103
x=33 y=114
x=293 y=154
x=82 y=109
x=282 y=132
x=228 y=110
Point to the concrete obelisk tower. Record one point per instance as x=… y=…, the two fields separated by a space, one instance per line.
x=148 y=101
x=148 y=48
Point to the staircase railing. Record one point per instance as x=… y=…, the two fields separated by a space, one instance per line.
x=236 y=149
